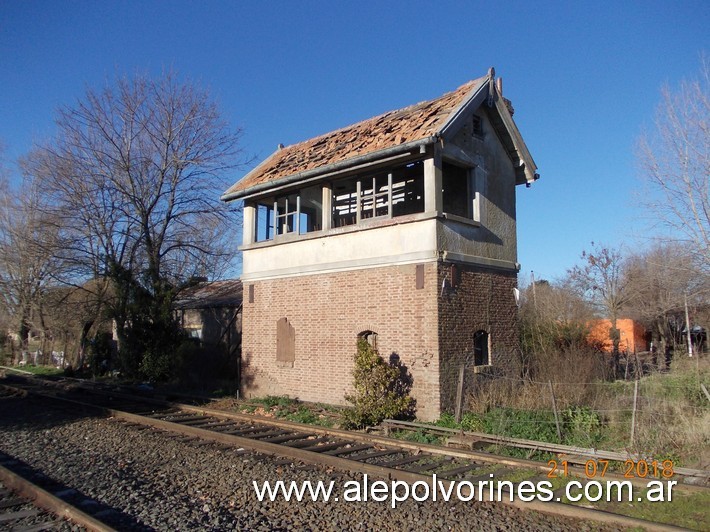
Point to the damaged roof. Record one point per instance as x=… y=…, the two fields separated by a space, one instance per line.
x=404 y=128
x=227 y=293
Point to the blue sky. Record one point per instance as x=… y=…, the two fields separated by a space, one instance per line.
x=584 y=78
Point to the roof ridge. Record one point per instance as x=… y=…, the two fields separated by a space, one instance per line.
x=396 y=127
x=385 y=114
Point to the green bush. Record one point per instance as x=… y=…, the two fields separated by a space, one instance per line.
x=582 y=426
x=303 y=415
x=527 y=424
x=379 y=390
x=100 y=351
x=469 y=421
x=156 y=366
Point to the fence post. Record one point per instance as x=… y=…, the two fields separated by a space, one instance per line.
x=459 y=395
x=633 y=413
x=705 y=390
x=554 y=409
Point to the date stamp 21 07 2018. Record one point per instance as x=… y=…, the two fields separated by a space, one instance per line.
x=632 y=469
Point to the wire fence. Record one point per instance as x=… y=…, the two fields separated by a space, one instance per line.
x=661 y=412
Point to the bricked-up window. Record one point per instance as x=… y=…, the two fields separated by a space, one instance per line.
x=299 y=213
x=285 y=342
x=379 y=195
x=481 y=349
x=459 y=191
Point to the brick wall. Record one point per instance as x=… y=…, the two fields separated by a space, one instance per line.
x=327 y=312
x=475 y=299
x=431 y=331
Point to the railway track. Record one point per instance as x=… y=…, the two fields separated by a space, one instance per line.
x=359 y=453
x=30 y=501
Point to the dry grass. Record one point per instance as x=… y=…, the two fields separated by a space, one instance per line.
x=672 y=417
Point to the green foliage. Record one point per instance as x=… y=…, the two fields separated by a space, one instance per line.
x=303 y=415
x=470 y=421
x=45 y=371
x=148 y=332
x=100 y=354
x=418 y=436
x=271 y=401
x=380 y=392
x=582 y=426
x=156 y=366
x=526 y=424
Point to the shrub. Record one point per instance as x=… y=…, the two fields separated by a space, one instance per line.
x=582 y=426
x=100 y=351
x=536 y=425
x=469 y=421
x=379 y=390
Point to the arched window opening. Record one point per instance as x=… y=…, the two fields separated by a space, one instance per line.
x=481 y=348
x=370 y=337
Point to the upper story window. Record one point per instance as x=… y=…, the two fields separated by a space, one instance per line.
x=385 y=194
x=299 y=212
x=477 y=126
x=459 y=193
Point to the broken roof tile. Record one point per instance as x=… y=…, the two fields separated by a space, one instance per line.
x=416 y=122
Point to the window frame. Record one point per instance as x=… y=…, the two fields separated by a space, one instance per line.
x=280 y=218
x=370 y=193
x=481 y=333
x=473 y=184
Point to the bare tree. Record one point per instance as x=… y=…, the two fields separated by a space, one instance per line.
x=25 y=268
x=661 y=280
x=675 y=161
x=73 y=315
x=554 y=322
x=133 y=180
x=600 y=279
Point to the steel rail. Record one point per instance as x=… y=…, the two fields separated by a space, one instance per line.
x=47 y=501
x=374 y=439
x=357 y=467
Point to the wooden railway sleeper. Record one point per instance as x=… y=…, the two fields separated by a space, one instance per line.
x=361 y=457
x=340 y=451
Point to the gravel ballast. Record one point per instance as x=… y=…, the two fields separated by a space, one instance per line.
x=166 y=484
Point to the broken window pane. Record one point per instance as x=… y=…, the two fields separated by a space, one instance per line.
x=264 y=222
x=389 y=193
x=408 y=189
x=374 y=196
x=345 y=203
x=287 y=217
x=300 y=212
x=457 y=192
x=311 y=213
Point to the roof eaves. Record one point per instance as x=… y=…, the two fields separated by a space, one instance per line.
x=230 y=195
x=324 y=171
x=528 y=164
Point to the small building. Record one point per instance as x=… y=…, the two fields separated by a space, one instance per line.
x=400 y=229
x=211 y=312
x=633 y=337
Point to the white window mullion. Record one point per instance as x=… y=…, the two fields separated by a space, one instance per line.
x=358 y=203
x=298 y=215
